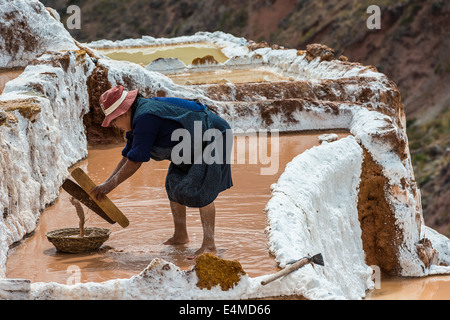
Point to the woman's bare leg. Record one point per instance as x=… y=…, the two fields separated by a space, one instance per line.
x=208 y=217
x=180 y=235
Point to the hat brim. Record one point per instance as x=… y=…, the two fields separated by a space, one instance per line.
x=123 y=108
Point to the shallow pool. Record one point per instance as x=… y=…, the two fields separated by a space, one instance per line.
x=227 y=75
x=184 y=52
x=240 y=220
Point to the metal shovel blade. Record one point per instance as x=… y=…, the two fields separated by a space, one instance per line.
x=318 y=259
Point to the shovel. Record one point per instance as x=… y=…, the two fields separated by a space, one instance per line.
x=317 y=259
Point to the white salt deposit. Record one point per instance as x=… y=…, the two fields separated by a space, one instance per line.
x=37 y=152
x=171 y=65
x=31 y=30
x=328 y=137
x=313 y=210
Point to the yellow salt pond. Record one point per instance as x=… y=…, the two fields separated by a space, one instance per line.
x=184 y=52
x=227 y=75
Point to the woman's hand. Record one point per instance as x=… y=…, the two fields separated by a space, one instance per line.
x=127 y=169
x=99 y=192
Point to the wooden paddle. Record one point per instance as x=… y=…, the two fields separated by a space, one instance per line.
x=106 y=204
x=78 y=193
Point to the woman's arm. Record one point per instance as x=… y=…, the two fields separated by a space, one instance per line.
x=125 y=169
x=118 y=167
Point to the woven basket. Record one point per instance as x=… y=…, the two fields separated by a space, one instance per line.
x=69 y=240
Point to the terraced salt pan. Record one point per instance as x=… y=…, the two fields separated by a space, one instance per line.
x=184 y=52
x=227 y=76
x=178 y=61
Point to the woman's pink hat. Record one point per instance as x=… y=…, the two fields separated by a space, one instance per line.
x=115 y=102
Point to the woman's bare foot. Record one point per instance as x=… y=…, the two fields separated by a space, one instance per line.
x=211 y=249
x=180 y=235
x=207 y=215
x=173 y=241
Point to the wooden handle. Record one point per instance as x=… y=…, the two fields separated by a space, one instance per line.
x=290 y=268
x=106 y=204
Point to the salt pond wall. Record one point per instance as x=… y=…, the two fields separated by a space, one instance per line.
x=42 y=133
x=313 y=210
x=40 y=129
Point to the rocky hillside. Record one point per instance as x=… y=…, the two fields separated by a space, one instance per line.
x=411 y=48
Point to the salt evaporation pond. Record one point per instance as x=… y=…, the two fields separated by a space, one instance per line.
x=240 y=220
x=184 y=52
x=240 y=224
x=221 y=75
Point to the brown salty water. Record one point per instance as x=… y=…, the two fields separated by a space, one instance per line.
x=8 y=75
x=240 y=225
x=240 y=222
x=429 y=288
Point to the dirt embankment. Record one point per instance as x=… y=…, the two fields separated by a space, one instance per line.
x=97 y=83
x=379 y=231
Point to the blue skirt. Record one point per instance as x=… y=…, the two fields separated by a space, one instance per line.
x=193 y=185
x=197 y=185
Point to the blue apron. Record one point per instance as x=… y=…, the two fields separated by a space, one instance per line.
x=194 y=184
